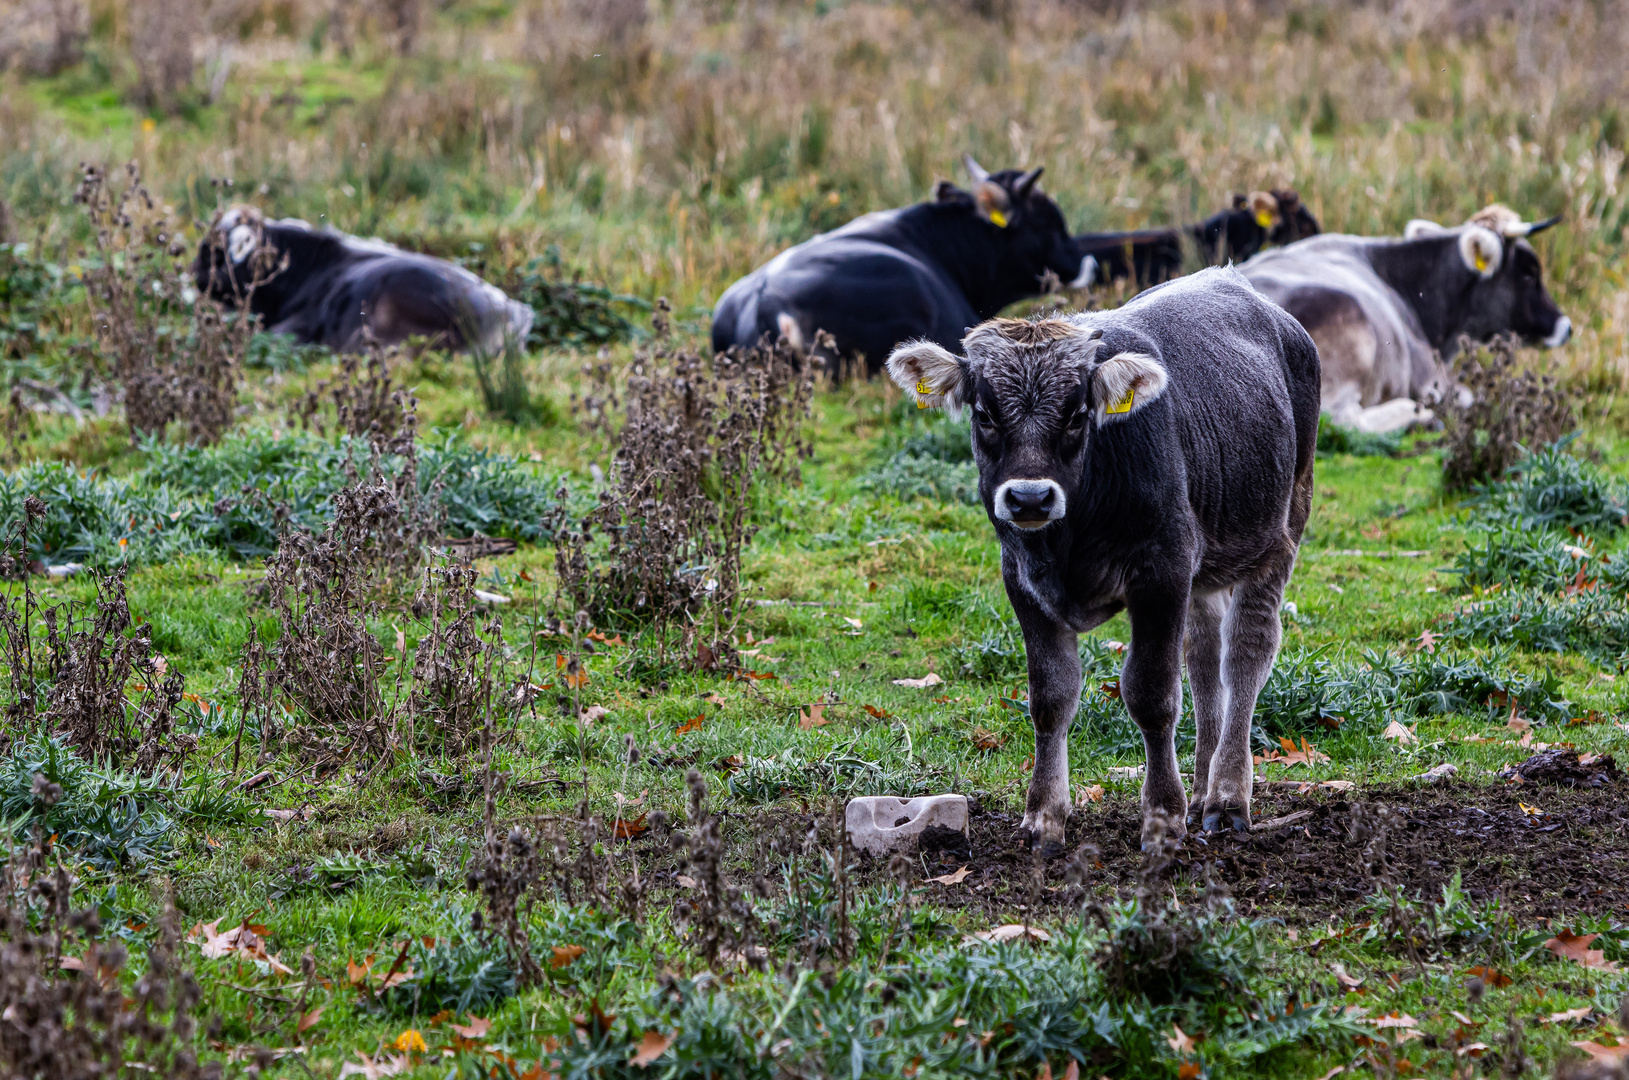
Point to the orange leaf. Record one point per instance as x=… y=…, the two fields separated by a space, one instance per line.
x=1091 y=794
x=1490 y=976
x=880 y=714
x=409 y=1040
x=1605 y=1053
x=627 y=830
x=987 y=740
x=952 y=879
x=1571 y=946
x=1180 y=1041
x=565 y=954
x=309 y=1019
x=1111 y=689
x=357 y=974
x=690 y=725
x=814 y=717
x=651 y=1047
x=1188 y=1070
x=475 y=1029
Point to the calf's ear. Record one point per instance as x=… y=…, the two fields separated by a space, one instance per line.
x=1124 y=383
x=1482 y=250
x=930 y=372
x=992 y=202
x=1264 y=205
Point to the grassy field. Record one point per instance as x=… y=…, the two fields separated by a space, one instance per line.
x=491 y=837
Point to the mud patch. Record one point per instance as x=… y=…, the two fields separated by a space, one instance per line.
x=1564 y=768
x=1569 y=857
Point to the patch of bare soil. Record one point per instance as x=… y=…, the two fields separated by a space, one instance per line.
x=1571 y=856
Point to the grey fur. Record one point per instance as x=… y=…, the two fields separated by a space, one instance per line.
x=1186 y=510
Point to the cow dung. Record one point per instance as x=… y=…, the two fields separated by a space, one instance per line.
x=1562 y=766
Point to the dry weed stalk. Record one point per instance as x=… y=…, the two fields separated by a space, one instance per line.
x=161 y=33
x=176 y=354
x=449 y=687
x=1512 y=410
x=698 y=435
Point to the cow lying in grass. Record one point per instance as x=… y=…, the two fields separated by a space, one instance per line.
x=1156 y=458
x=1386 y=313
x=321 y=286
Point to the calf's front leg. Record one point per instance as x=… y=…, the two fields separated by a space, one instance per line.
x=1053 y=655
x=1151 y=687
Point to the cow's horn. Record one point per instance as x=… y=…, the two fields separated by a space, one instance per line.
x=1026 y=183
x=978 y=172
x=1540 y=226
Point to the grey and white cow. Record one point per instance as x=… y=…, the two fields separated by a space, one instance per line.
x=1158 y=459
x=1387 y=312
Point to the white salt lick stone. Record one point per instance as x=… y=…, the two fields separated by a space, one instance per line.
x=884 y=824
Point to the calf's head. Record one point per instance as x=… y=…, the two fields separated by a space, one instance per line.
x=1041 y=393
x=1504 y=283
x=239 y=256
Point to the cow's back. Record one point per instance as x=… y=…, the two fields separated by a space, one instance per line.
x=1243 y=397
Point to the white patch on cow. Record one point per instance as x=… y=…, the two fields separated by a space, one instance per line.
x=1087 y=275
x=1482 y=250
x=1419 y=227
x=930 y=372
x=240 y=242
x=1560 y=335
x=790 y=330
x=1003 y=512
x=1125 y=383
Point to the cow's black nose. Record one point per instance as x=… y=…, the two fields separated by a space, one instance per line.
x=1031 y=499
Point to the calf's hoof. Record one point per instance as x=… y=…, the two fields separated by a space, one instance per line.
x=1044 y=832
x=1222 y=818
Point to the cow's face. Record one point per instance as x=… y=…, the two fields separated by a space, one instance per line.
x=1290 y=220
x=1506 y=292
x=237 y=254
x=1035 y=240
x=1039 y=394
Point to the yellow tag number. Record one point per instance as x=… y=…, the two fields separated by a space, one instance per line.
x=922 y=387
x=998 y=218
x=1124 y=404
x=1264 y=218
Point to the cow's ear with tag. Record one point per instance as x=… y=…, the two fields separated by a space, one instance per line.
x=930 y=372
x=1264 y=207
x=992 y=202
x=1482 y=250
x=1125 y=383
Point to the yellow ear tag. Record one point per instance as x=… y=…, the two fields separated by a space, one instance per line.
x=1481 y=263
x=1264 y=219
x=924 y=390
x=1124 y=404
x=998 y=218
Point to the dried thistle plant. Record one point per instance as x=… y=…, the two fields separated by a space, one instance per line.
x=177 y=355
x=1511 y=410
x=698 y=435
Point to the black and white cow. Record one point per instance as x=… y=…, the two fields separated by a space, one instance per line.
x=1149 y=256
x=1156 y=458
x=325 y=287
x=1386 y=313
x=926 y=271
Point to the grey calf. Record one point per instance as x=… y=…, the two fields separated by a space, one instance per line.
x=1156 y=459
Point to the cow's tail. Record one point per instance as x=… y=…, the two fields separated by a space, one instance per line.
x=1302 y=369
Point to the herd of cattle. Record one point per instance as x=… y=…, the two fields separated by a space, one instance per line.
x=1385 y=312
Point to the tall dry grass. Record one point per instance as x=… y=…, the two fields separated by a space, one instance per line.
x=669 y=145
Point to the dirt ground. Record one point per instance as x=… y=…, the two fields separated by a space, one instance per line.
x=1570 y=857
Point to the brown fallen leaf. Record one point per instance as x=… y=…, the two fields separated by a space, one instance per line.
x=1111 y=690
x=1569 y=1015
x=1426 y=642
x=475 y=1029
x=952 y=879
x=693 y=724
x=988 y=740
x=1575 y=947
x=1402 y=735
x=627 y=830
x=880 y=714
x=744 y=675
x=565 y=954
x=1394 y=1020
x=307 y=1021
x=1491 y=976
x=930 y=679
x=1305 y=754
x=1605 y=1053
x=1179 y=1041
x=1011 y=932
x=651 y=1047
x=1189 y=1070
x=1089 y=794
x=244 y=941
x=373 y=1068
x=1516 y=723
x=814 y=717
x=1347 y=982
x=713 y=699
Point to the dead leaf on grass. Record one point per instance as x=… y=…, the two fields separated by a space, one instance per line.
x=1575 y=947
x=1089 y=794
x=373 y=1068
x=1180 y=1041
x=627 y=830
x=1402 y=735
x=651 y=1047
x=565 y=954
x=309 y=1020
x=952 y=879
x=930 y=679
x=987 y=740
x=880 y=714
x=475 y=1029
x=1491 y=976
x=693 y=724
x=1605 y=1053
x=1426 y=642
x=1569 y=1015
x=1189 y=1070
x=244 y=941
x=814 y=717
x=1516 y=723
x=1346 y=981
x=1305 y=754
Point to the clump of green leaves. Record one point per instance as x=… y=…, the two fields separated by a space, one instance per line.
x=572 y=312
x=1333 y=438
x=461 y=972
x=933 y=460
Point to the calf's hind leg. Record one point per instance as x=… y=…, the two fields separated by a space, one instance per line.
x=1251 y=632
x=1202 y=655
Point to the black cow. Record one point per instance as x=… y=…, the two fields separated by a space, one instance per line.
x=1155 y=458
x=926 y=271
x=1150 y=256
x=322 y=286
x=1386 y=312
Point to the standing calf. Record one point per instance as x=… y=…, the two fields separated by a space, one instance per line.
x=1158 y=459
